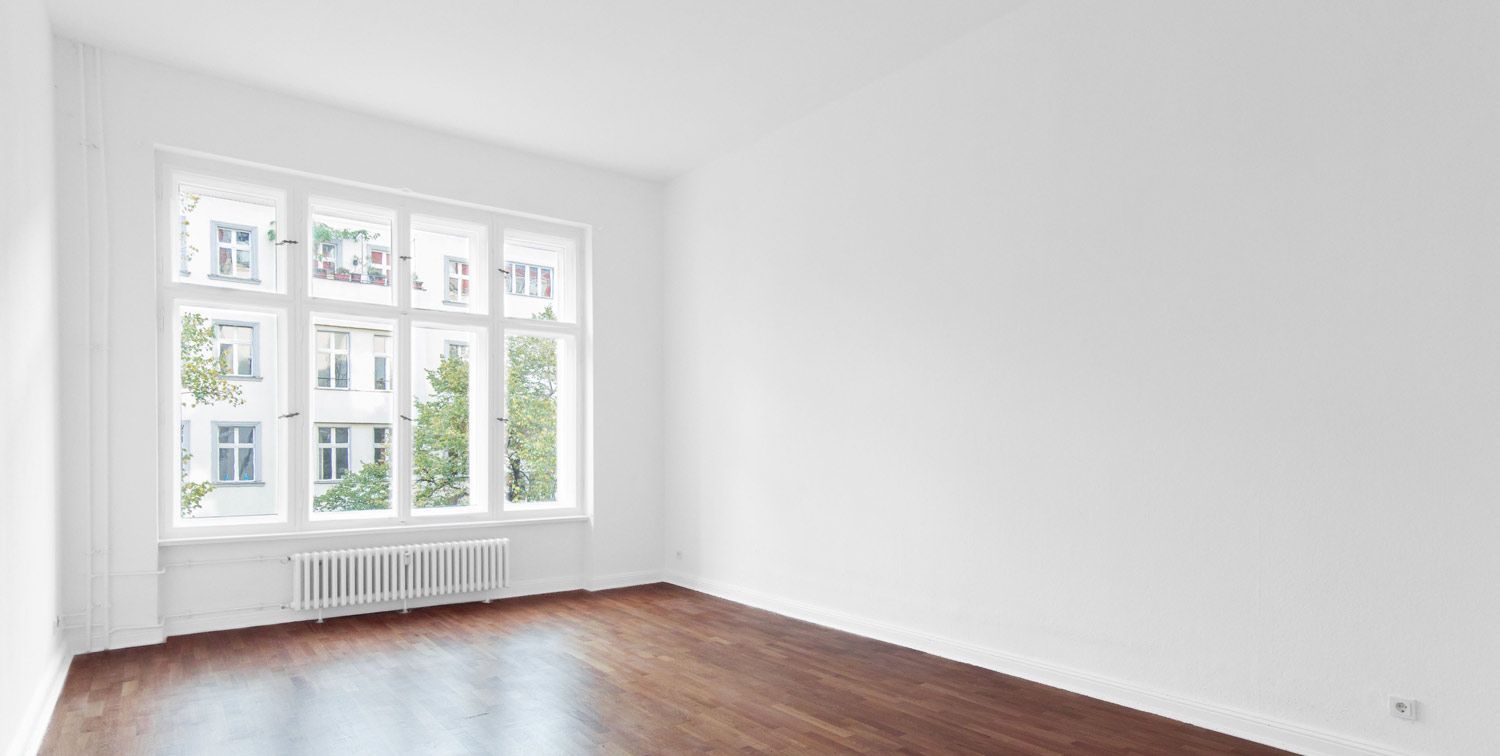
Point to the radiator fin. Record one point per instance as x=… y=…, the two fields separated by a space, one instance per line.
x=327 y=579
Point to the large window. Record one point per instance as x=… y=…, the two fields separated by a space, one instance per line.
x=340 y=349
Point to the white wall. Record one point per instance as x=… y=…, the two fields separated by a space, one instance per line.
x=1208 y=405
x=113 y=111
x=31 y=650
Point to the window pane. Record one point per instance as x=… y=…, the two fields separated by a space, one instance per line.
x=537 y=282
x=448 y=432
x=247 y=463
x=226 y=235
x=351 y=255
x=446 y=256
x=230 y=471
x=533 y=409
x=350 y=480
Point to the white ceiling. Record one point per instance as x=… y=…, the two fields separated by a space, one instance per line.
x=649 y=87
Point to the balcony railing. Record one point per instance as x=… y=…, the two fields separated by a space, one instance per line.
x=373 y=279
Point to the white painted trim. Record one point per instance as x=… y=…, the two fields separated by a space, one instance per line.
x=302 y=535
x=28 y=738
x=211 y=620
x=1228 y=720
x=624 y=580
x=122 y=636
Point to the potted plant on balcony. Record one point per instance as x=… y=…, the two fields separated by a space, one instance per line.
x=416 y=283
x=342 y=274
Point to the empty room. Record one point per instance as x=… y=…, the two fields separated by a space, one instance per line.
x=757 y=376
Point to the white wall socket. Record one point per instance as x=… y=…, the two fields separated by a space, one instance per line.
x=1403 y=708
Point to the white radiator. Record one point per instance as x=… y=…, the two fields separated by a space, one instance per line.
x=328 y=579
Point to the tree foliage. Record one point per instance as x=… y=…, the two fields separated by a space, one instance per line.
x=187 y=202
x=369 y=487
x=322 y=232
x=531 y=440
x=440 y=440
x=440 y=436
x=201 y=372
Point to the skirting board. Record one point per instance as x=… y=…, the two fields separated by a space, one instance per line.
x=1223 y=719
x=233 y=619
x=38 y=714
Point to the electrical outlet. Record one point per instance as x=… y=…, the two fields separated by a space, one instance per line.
x=679 y=553
x=1403 y=708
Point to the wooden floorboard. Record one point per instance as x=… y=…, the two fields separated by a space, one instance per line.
x=654 y=669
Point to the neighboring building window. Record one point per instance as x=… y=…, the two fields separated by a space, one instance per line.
x=234 y=251
x=237 y=348
x=456 y=350
x=529 y=280
x=457 y=272
x=382 y=362
x=236 y=453
x=333 y=359
x=326 y=259
x=333 y=452
x=382 y=443
x=378 y=271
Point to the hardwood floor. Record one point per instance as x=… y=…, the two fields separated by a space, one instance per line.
x=655 y=669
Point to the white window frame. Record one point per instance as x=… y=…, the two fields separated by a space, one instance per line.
x=380 y=362
x=522 y=270
x=333 y=352
x=253 y=249
x=462 y=279
x=380 y=449
x=332 y=447
x=371 y=267
x=291 y=302
x=257 y=438
x=254 y=346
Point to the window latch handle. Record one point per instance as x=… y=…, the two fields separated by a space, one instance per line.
x=503 y=419
x=286 y=241
x=404 y=417
x=287 y=415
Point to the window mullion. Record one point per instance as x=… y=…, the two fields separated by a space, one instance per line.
x=497 y=460
x=401 y=476
x=297 y=364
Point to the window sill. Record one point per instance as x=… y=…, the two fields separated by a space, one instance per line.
x=233 y=279
x=302 y=535
x=236 y=483
x=241 y=377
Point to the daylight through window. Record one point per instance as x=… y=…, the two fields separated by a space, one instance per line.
x=341 y=353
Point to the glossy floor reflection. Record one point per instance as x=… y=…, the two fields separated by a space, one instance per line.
x=654 y=669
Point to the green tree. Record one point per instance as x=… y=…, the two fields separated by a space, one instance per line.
x=531 y=438
x=440 y=440
x=187 y=203
x=440 y=436
x=369 y=487
x=201 y=374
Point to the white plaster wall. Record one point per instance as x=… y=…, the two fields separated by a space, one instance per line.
x=128 y=106
x=1207 y=405
x=30 y=644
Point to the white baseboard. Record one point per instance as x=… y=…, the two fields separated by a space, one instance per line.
x=28 y=739
x=1227 y=720
x=127 y=637
x=233 y=619
x=624 y=580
